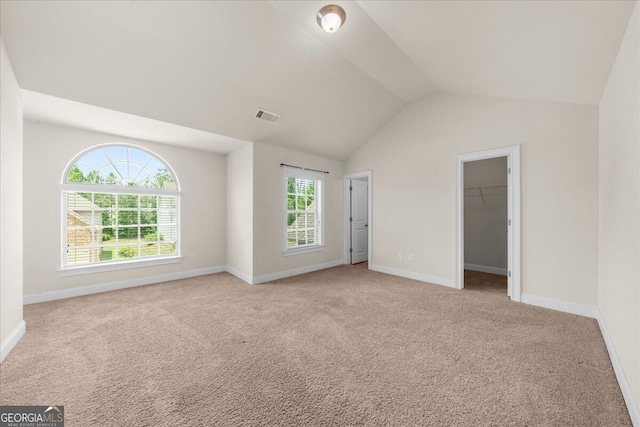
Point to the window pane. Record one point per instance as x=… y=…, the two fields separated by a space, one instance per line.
x=77 y=256
x=127 y=251
x=291 y=238
x=302 y=237
x=167 y=202
x=79 y=236
x=149 y=202
x=128 y=217
x=123 y=166
x=168 y=233
x=107 y=253
x=108 y=235
x=167 y=217
x=150 y=234
x=105 y=201
x=149 y=249
x=127 y=201
x=168 y=248
x=148 y=217
x=311 y=220
x=128 y=233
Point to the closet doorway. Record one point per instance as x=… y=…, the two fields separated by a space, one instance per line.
x=486 y=224
x=488 y=216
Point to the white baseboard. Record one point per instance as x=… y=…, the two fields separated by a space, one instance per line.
x=486 y=269
x=564 y=306
x=12 y=340
x=239 y=274
x=105 y=287
x=113 y=286
x=415 y=276
x=632 y=407
x=295 y=272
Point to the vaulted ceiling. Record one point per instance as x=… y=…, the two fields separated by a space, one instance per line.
x=208 y=66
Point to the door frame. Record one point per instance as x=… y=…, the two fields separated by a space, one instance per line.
x=368 y=174
x=514 y=199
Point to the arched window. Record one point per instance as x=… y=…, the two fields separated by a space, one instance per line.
x=120 y=204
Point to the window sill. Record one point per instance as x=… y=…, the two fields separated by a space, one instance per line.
x=298 y=251
x=120 y=265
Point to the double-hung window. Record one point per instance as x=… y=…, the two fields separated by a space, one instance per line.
x=304 y=210
x=120 y=207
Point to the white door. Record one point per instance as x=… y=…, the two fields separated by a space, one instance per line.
x=359 y=219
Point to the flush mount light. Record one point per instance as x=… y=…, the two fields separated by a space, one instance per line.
x=331 y=17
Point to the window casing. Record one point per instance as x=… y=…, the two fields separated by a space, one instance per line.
x=120 y=207
x=303 y=210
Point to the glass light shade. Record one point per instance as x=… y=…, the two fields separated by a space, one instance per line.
x=331 y=22
x=331 y=17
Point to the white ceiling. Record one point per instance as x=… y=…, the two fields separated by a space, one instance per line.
x=39 y=107
x=209 y=65
x=559 y=51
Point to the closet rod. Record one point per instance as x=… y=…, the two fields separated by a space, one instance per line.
x=307 y=169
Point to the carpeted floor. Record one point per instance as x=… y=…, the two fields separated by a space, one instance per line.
x=477 y=281
x=343 y=346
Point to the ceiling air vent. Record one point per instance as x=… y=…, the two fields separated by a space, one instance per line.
x=268 y=116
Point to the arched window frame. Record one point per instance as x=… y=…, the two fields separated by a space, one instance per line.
x=118 y=192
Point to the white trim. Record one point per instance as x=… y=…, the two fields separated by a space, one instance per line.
x=121 y=265
x=12 y=340
x=112 y=286
x=294 y=272
x=514 y=188
x=632 y=407
x=368 y=174
x=143 y=281
x=486 y=269
x=415 y=276
x=303 y=250
x=564 y=306
x=113 y=189
x=239 y=274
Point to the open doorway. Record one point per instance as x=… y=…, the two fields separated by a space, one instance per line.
x=510 y=155
x=357 y=218
x=486 y=224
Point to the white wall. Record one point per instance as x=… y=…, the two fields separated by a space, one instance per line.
x=413 y=163
x=619 y=256
x=240 y=212
x=486 y=213
x=10 y=205
x=269 y=210
x=47 y=151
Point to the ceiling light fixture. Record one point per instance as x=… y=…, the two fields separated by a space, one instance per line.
x=331 y=17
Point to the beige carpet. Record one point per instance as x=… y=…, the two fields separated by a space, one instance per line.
x=343 y=346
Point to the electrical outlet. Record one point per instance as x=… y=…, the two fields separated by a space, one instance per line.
x=399 y=255
x=410 y=257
